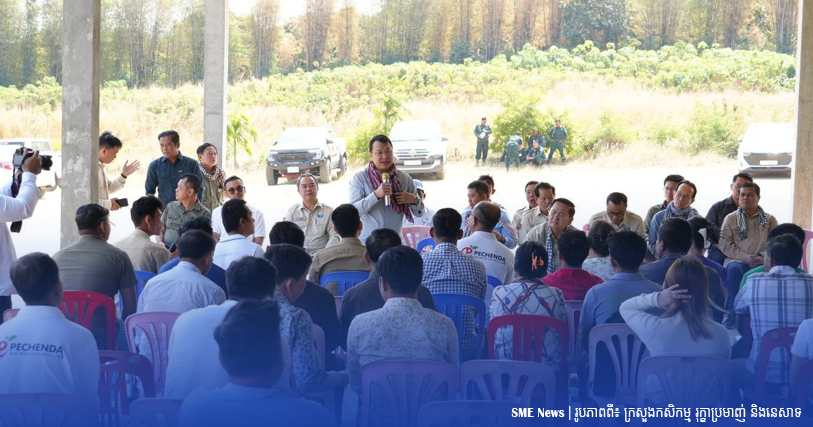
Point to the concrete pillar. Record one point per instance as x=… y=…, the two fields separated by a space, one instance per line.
x=80 y=110
x=215 y=74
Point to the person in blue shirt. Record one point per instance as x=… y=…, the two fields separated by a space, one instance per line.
x=215 y=274
x=164 y=172
x=250 y=346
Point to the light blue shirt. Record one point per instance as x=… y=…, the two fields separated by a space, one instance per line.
x=655 y=225
x=503 y=227
x=374 y=213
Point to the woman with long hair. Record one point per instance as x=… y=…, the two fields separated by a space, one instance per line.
x=685 y=327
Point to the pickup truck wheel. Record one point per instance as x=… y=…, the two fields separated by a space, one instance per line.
x=325 y=173
x=270 y=176
x=440 y=175
x=343 y=165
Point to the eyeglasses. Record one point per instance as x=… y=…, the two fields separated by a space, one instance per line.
x=382 y=153
x=682 y=196
x=612 y=214
x=238 y=189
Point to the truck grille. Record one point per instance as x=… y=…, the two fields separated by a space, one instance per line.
x=412 y=154
x=755 y=158
x=292 y=157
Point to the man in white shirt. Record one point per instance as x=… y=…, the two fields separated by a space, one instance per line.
x=40 y=350
x=312 y=216
x=234 y=189
x=145 y=254
x=238 y=220
x=109 y=146
x=498 y=259
x=193 y=351
x=16 y=209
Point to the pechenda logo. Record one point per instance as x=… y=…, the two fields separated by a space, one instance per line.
x=4 y=345
x=17 y=348
x=468 y=250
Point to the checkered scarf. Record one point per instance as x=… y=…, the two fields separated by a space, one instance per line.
x=672 y=211
x=549 y=248
x=742 y=231
x=376 y=179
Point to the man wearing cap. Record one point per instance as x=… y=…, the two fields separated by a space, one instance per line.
x=426 y=219
x=557 y=137
x=482 y=131
x=512 y=150
x=534 y=154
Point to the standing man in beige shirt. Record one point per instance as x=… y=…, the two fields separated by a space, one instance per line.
x=144 y=254
x=312 y=217
x=743 y=239
x=109 y=146
x=348 y=254
x=619 y=217
x=544 y=194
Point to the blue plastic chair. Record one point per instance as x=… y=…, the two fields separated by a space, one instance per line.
x=344 y=279
x=451 y=306
x=430 y=242
x=142 y=277
x=494 y=282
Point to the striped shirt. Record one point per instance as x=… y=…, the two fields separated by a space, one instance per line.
x=781 y=298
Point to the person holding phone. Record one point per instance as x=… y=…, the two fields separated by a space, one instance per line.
x=109 y=146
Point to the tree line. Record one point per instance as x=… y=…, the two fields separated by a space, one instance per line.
x=160 y=42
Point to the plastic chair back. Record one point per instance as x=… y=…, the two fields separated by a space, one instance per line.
x=453 y=307
x=47 y=410
x=327 y=396
x=472 y=413
x=157 y=327
x=804 y=380
x=83 y=304
x=687 y=382
x=780 y=339
x=426 y=245
x=574 y=350
x=344 y=279
x=114 y=366
x=142 y=277
x=494 y=282
x=524 y=378
x=526 y=329
x=413 y=234
x=427 y=377
x=10 y=314
x=808 y=236
x=626 y=352
x=155 y=413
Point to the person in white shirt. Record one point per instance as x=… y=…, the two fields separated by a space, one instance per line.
x=40 y=350
x=16 y=209
x=426 y=219
x=193 y=351
x=234 y=189
x=109 y=146
x=238 y=221
x=498 y=259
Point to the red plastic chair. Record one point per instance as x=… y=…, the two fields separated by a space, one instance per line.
x=414 y=234
x=524 y=379
x=465 y=413
x=83 y=304
x=155 y=413
x=574 y=350
x=416 y=383
x=808 y=236
x=10 y=314
x=626 y=351
x=157 y=327
x=114 y=367
x=780 y=339
x=687 y=382
x=47 y=409
x=804 y=380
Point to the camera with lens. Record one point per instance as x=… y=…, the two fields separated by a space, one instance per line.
x=23 y=153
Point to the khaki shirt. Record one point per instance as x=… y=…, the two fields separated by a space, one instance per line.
x=531 y=219
x=316 y=224
x=737 y=249
x=144 y=253
x=631 y=222
x=516 y=221
x=347 y=255
x=212 y=194
x=108 y=186
x=175 y=215
x=539 y=233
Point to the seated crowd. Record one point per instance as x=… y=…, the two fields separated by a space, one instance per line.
x=243 y=342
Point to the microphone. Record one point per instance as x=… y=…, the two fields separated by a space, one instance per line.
x=386 y=177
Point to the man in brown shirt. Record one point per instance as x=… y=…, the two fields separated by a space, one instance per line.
x=348 y=254
x=743 y=239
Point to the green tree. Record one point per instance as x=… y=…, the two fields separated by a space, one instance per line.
x=239 y=132
x=29 y=43
x=601 y=21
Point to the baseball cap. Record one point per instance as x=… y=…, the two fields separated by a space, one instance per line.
x=418 y=184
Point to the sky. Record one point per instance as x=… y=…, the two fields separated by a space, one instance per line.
x=289 y=8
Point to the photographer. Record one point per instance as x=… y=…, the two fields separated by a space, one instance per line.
x=16 y=206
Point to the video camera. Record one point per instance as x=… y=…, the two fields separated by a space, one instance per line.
x=23 y=153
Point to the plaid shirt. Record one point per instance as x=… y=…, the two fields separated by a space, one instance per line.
x=447 y=271
x=780 y=298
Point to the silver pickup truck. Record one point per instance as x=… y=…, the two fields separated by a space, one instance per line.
x=47 y=180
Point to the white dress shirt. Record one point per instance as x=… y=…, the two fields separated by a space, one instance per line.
x=498 y=259
x=194 y=354
x=43 y=352
x=231 y=248
x=259 y=222
x=14 y=209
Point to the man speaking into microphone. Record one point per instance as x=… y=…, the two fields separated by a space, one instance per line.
x=383 y=195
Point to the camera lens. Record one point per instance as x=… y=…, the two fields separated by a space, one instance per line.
x=47 y=162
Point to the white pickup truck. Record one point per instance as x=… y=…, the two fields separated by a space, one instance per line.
x=47 y=180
